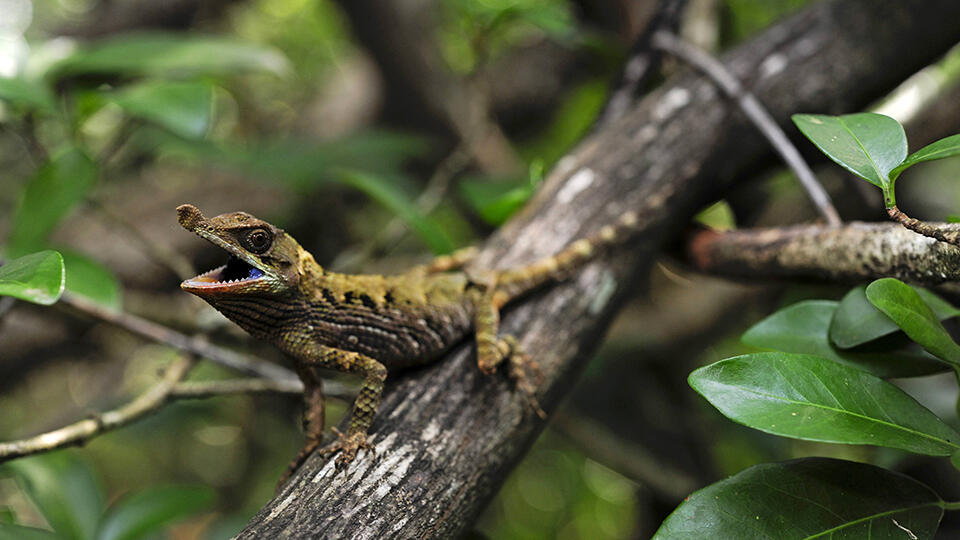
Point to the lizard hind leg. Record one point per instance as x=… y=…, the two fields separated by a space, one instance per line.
x=493 y=350
x=314 y=412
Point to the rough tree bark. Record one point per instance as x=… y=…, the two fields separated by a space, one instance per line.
x=446 y=436
x=853 y=253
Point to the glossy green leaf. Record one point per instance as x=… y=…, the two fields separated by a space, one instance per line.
x=397 y=202
x=495 y=200
x=18 y=532
x=7 y=515
x=805 y=499
x=149 y=511
x=55 y=189
x=869 y=145
x=26 y=93
x=160 y=54
x=944 y=148
x=955 y=460
x=87 y=277
x=803 y=328
x=38 y=277
x=901 y=303
x=812 y=398
x=857 y=321
x=64 y=490
x=184 y=108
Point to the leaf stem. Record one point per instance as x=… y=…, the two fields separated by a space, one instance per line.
x=948 y=505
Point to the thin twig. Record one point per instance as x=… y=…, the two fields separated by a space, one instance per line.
x=171 y=387
x=168 y=336
x=353 y=259
x=205 y=389
x=642 y=63
x=82 y=431
x=757 y=114
x=924 y=228
x=159 y=253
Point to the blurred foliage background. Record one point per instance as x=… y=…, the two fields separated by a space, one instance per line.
x=376 y=133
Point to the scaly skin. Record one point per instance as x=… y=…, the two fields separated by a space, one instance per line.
x=368 y=324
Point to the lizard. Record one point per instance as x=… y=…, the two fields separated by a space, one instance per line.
x=369 y=325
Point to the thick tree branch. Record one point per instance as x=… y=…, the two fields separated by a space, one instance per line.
x=853 y=253
x=446 y=435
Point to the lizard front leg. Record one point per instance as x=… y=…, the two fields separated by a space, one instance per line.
x=364 y=407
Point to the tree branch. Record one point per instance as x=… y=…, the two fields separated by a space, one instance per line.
x=853 y=253
x=946 y=234
x=168 y=389
x=84 y=430
x=446 y=435
x=171 y=337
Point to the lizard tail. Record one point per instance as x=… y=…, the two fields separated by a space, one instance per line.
x=515 y=282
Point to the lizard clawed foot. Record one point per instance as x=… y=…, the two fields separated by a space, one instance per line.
x=348 y=445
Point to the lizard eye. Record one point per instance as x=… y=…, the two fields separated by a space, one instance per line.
x=257 y=240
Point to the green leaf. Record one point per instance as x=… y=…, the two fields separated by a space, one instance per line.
x=901 y=303
x=151 y=510
x=9 y=531
x=184 y=108
x=87 y=277
x=808 y=498
x=7 y=515
x=869 y=145
x=857 y=321
x=944 y=148
x=55 y=189
x=811 y=398
x=64 y=490
x=38 y=277
x=803 y=328
x=394 y=200
x=495 y=200
x=955 y=460
x=27 y=93
x=170 y=54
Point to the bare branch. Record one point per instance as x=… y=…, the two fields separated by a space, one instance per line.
x=205 y=389
x=852 y=253
x=168 y=389
x=757 y=114
x=168 y=336
x=82 y=431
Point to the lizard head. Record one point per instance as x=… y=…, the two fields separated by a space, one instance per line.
x=263 y=258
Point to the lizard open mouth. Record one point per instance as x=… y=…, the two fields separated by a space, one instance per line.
x=235 y=271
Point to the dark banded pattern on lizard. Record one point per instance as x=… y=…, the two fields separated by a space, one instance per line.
x=369 y=324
